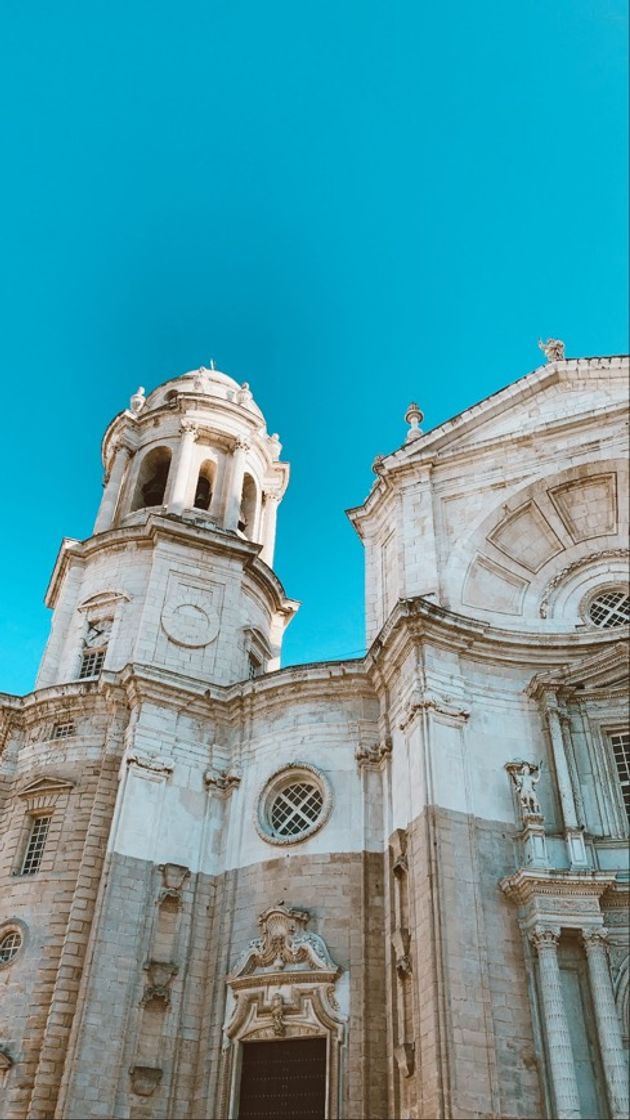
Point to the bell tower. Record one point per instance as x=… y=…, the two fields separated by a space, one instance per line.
x=178 y=571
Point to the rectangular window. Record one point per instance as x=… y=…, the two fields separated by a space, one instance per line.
x=64 y=730
x=91 y=663
x=254 y=667
x=36 y=845
x=620 y=743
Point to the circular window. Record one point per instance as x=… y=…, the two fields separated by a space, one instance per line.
x=10 y=945
x=294 y=804
x=609 y=609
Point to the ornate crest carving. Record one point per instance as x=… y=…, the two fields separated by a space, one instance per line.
x=145 y=1079
x=158 y=989
x=174 y=875
x=285 y=946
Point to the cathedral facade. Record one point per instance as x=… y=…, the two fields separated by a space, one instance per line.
x=393 y=886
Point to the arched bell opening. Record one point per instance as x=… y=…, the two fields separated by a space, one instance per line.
x=205 y=485
x=152 y=479
x=249 y=502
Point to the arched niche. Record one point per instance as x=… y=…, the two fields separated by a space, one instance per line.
x=152 y=479
x=284 y=987
x=249 y=507
x=205 y=485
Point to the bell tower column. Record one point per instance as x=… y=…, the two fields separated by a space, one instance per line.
x=269 y=516
x=182 y=470
x=235 y=484
x=107 y=509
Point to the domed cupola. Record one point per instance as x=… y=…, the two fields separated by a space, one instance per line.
x=196 y=448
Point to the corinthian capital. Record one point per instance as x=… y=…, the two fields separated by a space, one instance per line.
x=188 y=427
x=241 y=444
x=545 y=937
x=595 y=938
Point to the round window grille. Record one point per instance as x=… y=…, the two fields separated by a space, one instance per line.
x=610 y=609
x=295 y=809
x=294 y=803
x=10 y=945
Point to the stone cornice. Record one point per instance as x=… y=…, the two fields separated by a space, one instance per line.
x=526 y=885
x=417 y=618
x=171 y=527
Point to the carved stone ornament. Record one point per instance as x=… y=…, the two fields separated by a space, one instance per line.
x=374 y=757
x=398 y=844
x=151 y=763
x=595 y=939
x=446 y=706
x=553 y=349
x=401 y=940
x=174 y=875
x=285 y=945
x=592 y=558
x=145 y=1079
x=222 y=782
x=6 y=1061
x=284 y=986
x=405 y=1058
x=137 y=400
x=545 y=937
x=525 y=777
x=160 y=976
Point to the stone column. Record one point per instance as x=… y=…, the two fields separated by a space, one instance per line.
x=181 y=480
x=270 y=513
x=235 y=485
x=561 y=1063
x=608 y=1027
x=573 y=832
x=109 y=501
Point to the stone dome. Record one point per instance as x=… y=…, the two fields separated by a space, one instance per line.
x=204 y=382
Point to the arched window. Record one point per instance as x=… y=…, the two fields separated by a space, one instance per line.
x=247 y=518
x=152 y=479
x=205 y=486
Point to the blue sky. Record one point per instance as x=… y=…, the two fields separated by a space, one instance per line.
x=349 y=205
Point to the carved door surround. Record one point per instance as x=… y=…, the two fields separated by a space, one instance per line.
x=283 y=988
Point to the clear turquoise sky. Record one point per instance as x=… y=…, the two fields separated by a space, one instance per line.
x=349 y=204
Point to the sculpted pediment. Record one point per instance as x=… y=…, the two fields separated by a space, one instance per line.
x=42 y=786
x=285 y=947
x=545 y=397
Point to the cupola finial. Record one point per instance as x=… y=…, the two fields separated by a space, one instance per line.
x=414 y=417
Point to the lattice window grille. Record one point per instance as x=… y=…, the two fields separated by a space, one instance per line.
x=10 y=945
x=91 y=663
x=610 y=609
x=36 y=844
x=64 y=730
x=620 y=743
x=296 y=808
x=254 y=667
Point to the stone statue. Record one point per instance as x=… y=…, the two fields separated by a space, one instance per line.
x=526 y=776
x=138 y=400
x=553 y=349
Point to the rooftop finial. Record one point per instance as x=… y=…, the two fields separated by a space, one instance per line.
x=553 y=349
x=212 y=364
x=138 y=400
x=414 y=417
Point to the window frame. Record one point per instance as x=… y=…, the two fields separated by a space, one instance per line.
x=291 y=774
x=35 y=819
